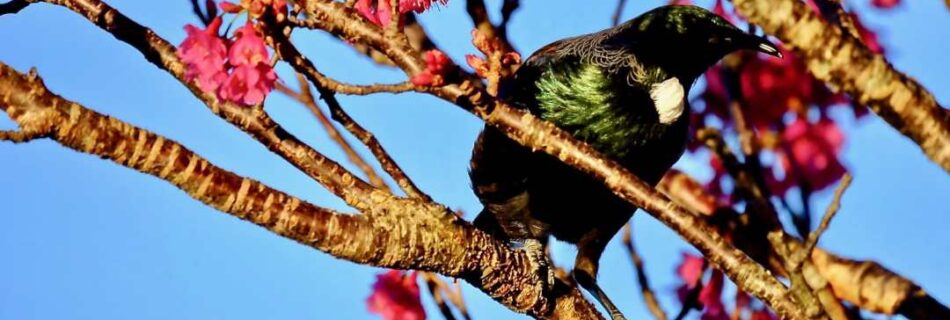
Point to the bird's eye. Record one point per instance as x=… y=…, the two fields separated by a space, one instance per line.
x=727 y=39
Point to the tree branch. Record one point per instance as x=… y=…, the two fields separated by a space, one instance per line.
x=307 y=99
x=649 y=297
x=289 y=53
x=401 y=233
x=847 y=65
x=253 y=120
x=529 y=131
x=865 y=284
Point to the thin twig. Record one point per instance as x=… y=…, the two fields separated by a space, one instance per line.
x=20 y=136
x=435 y=290
x=615 y=19
x=305 y=97
x=289 y=53
x=649 y=297
x=830 y=212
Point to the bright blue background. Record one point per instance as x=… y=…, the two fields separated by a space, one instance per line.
x=82 y=238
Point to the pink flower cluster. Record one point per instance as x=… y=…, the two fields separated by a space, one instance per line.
x=776 y=96
x=379 y=12
x=437 y=64
x=238 y=71
x=396 y=297
x=690 y=272
x=810 y=155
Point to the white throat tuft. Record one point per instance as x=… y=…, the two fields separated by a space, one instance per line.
x=669 y=98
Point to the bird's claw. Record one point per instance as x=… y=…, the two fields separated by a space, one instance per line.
x=541 y=264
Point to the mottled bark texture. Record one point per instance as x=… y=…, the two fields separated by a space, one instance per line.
x=846 y=64
x=401 y=233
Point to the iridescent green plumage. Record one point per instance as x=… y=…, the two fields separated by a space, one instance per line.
x=581 y=99
x=623 y=91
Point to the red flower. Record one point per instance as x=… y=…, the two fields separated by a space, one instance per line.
x=252 y=77
x=811 y=153
x=203 y=52
x=248 y=85
x=771 y=87
x=379 y=12
x=437 y=64
x=248 y=49
x=885 y=4
x=690 y=271
x=711 y=298
x=719 y=9
x=418 y=5
x=396 y=297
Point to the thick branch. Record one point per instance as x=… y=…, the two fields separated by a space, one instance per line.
x=846 y=64
x=253 y=120
x=403 y=234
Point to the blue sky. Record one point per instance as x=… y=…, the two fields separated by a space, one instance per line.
x=83 y=238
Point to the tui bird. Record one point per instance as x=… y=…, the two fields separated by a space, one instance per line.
x=623 y=91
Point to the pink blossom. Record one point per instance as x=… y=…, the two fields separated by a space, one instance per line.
x=885 y=4
x=248 y=49
x=811 y=153
x=711 y=298
x=203 y=52
x=437 y=63
x=396 y=297
x=379 y=12
x=248 y=85
x=690 y=271
x=418 y=5
x=252 y=77
x=719 y=9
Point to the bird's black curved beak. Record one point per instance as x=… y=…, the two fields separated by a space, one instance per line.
x=763 y=45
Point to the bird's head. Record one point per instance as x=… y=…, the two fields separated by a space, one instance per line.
x=686 y=40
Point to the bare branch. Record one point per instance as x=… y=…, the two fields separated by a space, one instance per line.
x=615 y=19
x=306 y=98
x=649 y=297
x=847 y=65
x=289 y=53
x=813 y=237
